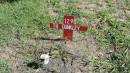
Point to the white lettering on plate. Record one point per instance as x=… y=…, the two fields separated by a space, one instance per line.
x=69 y=27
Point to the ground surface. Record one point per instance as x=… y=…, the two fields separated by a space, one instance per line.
x=25 y=35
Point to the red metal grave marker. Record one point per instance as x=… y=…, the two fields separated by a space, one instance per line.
x=68 y=27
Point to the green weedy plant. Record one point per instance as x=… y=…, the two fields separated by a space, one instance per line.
x=120 y=56
x=53 y=2
x=115 y=35
x=71 y=10
x=102 y=28
x=22 y=19
x=4 y=67
x=72 y=1
x=10 y=1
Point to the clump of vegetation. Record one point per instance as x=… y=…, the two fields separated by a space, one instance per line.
x=10 y=1
x=21 y=20
x=58 y=52
x=4 y=67
x=113 y=35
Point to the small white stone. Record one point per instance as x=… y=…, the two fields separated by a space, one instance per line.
x=46 y=58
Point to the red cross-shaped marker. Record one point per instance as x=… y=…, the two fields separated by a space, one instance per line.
x=68 y=27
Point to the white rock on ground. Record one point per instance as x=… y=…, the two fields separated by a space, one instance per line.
x=45 y=57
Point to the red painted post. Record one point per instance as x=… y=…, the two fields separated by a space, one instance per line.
x=68 y=34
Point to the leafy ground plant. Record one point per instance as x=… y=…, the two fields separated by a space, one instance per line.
x=4 y=67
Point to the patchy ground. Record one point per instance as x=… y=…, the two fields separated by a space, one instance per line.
x=66 y=57
x=78 y=56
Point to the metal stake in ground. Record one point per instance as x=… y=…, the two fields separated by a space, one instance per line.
x=68 y=27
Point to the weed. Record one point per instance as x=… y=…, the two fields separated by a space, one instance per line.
x=4 y=67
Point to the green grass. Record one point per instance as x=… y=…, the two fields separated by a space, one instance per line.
x=113 y=35
x=22 y=19
x=4 y=67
